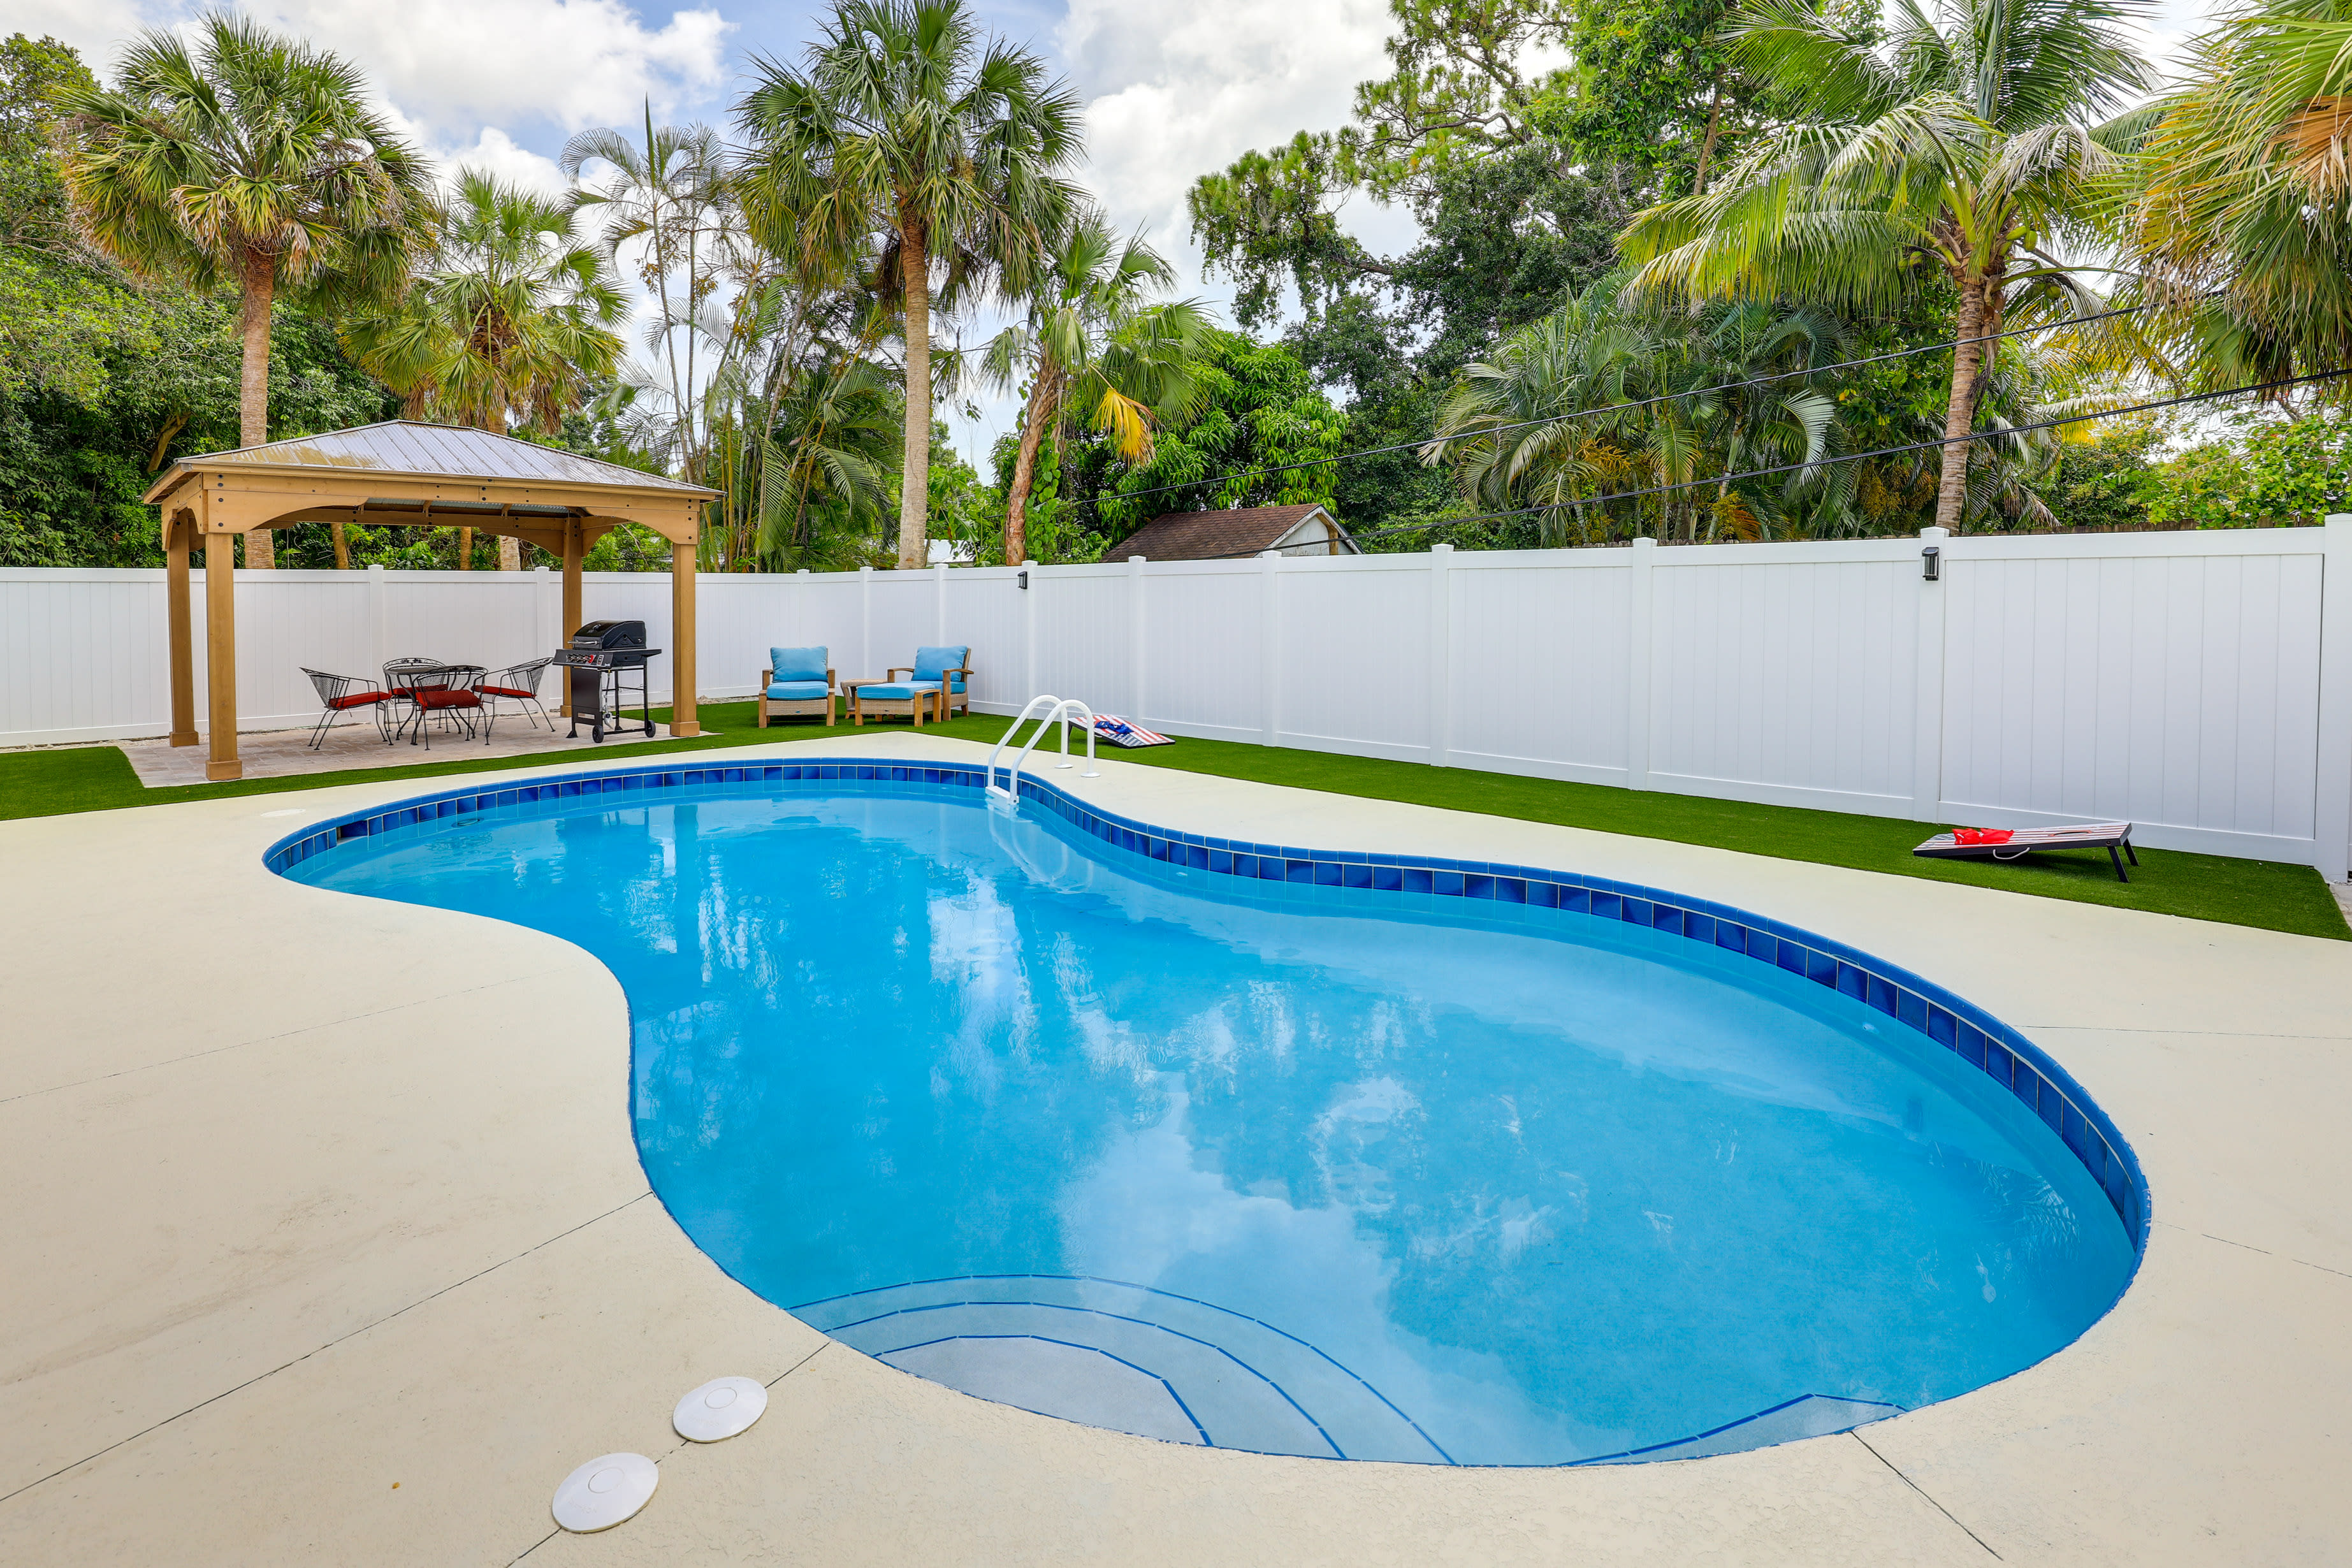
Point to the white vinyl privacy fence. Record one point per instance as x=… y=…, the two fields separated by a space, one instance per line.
x=2199 y=684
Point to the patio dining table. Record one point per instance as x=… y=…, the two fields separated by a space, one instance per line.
x=415 y=683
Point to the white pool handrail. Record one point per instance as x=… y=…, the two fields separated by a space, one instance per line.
x=1057 y=709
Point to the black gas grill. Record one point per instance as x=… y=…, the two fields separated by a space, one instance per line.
x=600 y=658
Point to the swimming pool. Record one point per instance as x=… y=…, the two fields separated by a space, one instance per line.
x=1391 y=1159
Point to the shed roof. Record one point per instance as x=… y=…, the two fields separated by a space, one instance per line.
x=411 y=448
x=1204 y=535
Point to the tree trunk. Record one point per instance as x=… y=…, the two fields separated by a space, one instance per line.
x=342 y=547
x=509 y=554
x=465 y=550
x=1024 y=468
x=1959 y=411
x=1714 y=129
x=259 y=286
x=915 y=471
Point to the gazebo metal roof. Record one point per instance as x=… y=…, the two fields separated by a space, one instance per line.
x=411 y=449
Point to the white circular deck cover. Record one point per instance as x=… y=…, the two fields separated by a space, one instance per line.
x=604 y=1493
x=720 y=1409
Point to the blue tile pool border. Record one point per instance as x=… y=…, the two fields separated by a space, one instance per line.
x=1992 y=1048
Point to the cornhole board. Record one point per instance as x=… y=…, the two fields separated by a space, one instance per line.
x=1118 y=732
x=2114 y=838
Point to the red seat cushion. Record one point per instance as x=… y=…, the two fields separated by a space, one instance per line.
x=509 y=691
x=437 y=697
x=360 y=699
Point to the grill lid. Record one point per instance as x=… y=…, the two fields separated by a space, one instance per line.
x=610 y=635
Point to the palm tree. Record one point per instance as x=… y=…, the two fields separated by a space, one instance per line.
x=674 y=195
x=1759 y=410
x=1604 y=396
x=511 y=319
x=1546 y=421
x=1093 y=340
x=1964 y=141
x=2244 y=222
x=249 y=161
x=907 y=145
x=826 y=469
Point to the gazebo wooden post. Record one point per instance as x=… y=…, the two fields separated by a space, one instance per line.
x=571 y=554
x=682 y=722
x=180 y=627
x=220 y=656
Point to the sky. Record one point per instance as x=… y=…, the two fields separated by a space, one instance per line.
x=1171 y=91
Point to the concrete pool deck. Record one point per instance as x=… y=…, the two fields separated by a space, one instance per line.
x=311 y=1196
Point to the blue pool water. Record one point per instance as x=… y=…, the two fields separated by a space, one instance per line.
x=1266 y=1168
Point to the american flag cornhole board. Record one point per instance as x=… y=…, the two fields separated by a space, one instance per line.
x=1119 y=732
x=2003 y=844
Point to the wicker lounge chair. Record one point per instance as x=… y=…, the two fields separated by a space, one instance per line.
x=2005 y=844
x=948 y=671
x=797 y=684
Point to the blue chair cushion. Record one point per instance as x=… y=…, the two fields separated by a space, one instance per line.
x=790 y=664
x=797 y=690
x=931 y=663
x=897 y=692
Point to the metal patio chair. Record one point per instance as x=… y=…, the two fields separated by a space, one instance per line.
x=446 y=694
x=519 y=684
x=341 y=694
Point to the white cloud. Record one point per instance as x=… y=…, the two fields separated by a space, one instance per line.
x=95 y=29
x=450 y=68
x=454 y=66
x=1183 y=91
x=491 y=149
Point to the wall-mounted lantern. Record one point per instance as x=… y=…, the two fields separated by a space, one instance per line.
x=1931 y=563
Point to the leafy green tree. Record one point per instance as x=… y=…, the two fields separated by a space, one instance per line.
x=1963 y=141
x=35 y=214
x=2243 y=219
x=1659 y=89
x=908 y=147
x=1257 y=408
x=102 y=382
x=2269 y=472
x=251 y=160
x=1464 y=133
x=2106 y=477
x=1096 y=345
x=964 y=508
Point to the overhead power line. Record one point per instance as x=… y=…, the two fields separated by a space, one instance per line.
x=1842 y=458
x=1097 y=501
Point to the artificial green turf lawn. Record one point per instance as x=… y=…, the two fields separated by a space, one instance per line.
x=2263 y=894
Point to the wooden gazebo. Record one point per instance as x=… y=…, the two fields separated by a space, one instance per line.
x=415 y=475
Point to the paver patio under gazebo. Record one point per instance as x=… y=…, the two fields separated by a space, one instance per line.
x=412 y=475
